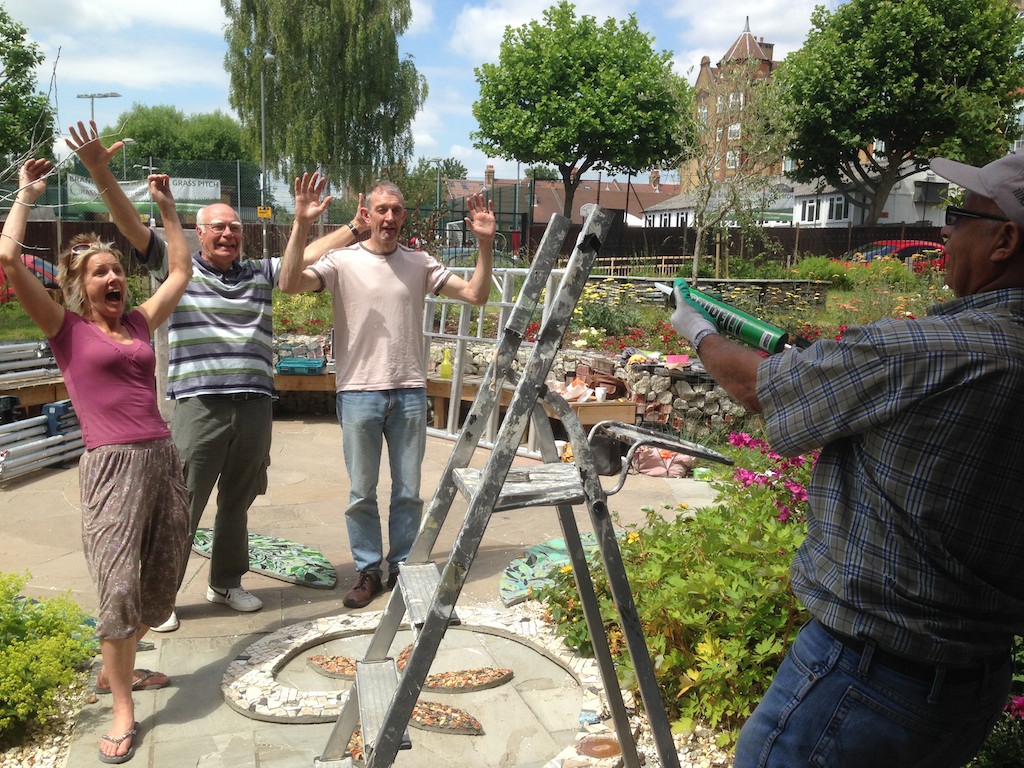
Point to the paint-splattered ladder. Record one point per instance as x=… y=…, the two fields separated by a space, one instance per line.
x=381 y=700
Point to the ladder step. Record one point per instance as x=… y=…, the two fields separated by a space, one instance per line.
x=419 y=582
x=544 y=485
x=376 y=682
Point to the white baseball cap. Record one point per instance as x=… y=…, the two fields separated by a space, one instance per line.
x=1001 y=180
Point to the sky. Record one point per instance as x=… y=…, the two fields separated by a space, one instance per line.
x=172 y=53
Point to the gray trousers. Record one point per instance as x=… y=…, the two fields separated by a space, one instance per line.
x=224 y=441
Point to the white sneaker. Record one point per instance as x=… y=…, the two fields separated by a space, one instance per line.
x=236 y=598
x=170 y=625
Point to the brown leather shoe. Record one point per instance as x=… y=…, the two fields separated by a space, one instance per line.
x=363 y=591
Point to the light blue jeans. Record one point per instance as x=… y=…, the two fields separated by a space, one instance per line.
x=367 y=419
x=832 y=706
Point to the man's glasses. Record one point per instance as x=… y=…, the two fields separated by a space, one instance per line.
x=953 y=214
x=219 y=226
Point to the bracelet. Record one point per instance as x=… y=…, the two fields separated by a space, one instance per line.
x=354 y=230
x=701 y=335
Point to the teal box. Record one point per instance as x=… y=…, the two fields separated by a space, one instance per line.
x=301 y=366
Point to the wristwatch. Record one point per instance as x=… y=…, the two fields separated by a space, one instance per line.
x=701 y=336
x=354 y=230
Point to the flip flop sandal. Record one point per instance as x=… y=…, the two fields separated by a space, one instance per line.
x=142 y=680
x=117 y=741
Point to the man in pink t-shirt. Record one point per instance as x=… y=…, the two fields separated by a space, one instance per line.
x=378 y=287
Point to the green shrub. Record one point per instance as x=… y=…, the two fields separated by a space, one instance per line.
x=715 y=602
x=824 y=268
x=43 y=644
x=608 y=305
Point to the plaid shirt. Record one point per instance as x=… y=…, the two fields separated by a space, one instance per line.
x=916 y=529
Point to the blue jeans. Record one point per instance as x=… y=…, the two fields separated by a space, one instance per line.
x=832 y=706
x=368 y=419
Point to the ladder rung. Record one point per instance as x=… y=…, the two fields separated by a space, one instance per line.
x=419 y=582
x=544 y=485
x=376 y=682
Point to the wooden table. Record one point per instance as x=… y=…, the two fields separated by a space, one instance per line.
x=32 y=394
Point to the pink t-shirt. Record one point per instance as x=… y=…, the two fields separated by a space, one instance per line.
x=112 y=385
x=378 y=315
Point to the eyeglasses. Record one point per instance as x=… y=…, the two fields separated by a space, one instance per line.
x=219 y=226
x=953 y=214
x=82 y=248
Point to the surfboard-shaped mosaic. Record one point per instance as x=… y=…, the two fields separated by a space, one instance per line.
x=280 y=559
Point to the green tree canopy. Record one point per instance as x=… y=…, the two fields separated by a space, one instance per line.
x=578 y=95
x=338 y=97
x=205 y=145
x=915 y=79
x=26 y=117
x=541 y=173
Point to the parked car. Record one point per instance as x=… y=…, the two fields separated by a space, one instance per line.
x=926 y=254
x=46 y=272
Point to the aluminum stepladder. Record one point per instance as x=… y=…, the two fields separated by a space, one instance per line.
x=381 y=702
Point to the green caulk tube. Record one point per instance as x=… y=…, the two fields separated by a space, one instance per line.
x=734 y=322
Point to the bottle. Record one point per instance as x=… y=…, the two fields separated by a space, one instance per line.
x=445 y=368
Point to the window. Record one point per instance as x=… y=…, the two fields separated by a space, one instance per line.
x=809 y=210
x=788 y=165
x=735 y=101
x=879 y=146
x=732 y=159
x=734 y=132
x=718 y=134
x=838 y=208
x=702 y=115
x=720 y=103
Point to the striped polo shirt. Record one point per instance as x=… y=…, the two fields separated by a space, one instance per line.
x=221 y=333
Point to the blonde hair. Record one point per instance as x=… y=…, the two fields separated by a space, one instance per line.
x=71 y=268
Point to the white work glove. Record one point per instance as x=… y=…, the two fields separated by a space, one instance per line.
x=690 y=322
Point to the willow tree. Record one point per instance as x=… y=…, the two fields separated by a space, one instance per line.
x=880 y=87
x=338 y=96
x=581 y=96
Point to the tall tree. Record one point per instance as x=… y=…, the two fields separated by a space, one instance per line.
x=579 y=95
x=338 y=97
x=26 y=116
x=880 y=87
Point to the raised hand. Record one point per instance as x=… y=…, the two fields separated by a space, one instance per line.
x=87 y=145
x=308 y=188
x=160 y=188
x=32 y=179
x=481 y=219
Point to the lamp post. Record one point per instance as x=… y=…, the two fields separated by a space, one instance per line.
x=124 y=157
x=92 y=101
x=149 y=169
x=267 y=61
x=437 y=197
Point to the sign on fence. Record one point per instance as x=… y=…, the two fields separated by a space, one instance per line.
x=189 y=194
